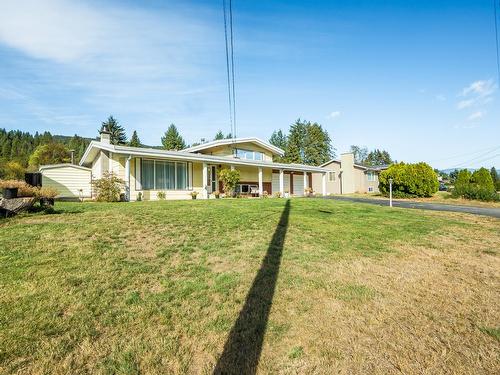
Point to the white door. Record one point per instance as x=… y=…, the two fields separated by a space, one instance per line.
x=276 y=182
x=298 y=185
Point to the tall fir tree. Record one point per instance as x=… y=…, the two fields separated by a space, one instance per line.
x=279 y=139
x=134 y=140
x=294 y=152
x=317 y=145
x=219 y=135
x=172 y=140
x=378 y=158
x=117 y=132
x=495 y=178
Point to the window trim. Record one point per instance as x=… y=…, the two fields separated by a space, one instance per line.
x=330 y=174
x=370 y=176
x=189 y=177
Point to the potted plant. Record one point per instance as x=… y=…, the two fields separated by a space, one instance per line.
x=46 y=196
x=217 y=194
x=14 y=189
x=161 y=195
x=194 y=194
x=286 y=194
x=308 y=192
x=265 y=194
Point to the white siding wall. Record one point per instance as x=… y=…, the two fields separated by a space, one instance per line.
x=67 y=180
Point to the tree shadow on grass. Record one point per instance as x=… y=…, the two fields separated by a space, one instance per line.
x=244 y=345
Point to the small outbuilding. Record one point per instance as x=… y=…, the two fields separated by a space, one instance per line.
x=71 y=181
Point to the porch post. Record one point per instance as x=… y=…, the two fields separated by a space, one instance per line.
x=305 y=181
x=127 y=178
x=261 y=189
x=282 y=182
x=232 y=167
x=323 y=182
x=205 y=179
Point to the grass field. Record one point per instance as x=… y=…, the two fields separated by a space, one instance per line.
x=242 y=286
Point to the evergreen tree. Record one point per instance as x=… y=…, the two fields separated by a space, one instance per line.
x=317 y=145
x=294 y=152
x=219 y=135
x=117 y=132
x=360 y=154
x=279 y=139
x=229 y=136
x=378 y=158
x=134 y=141
x=172 y=140
x=495 y=178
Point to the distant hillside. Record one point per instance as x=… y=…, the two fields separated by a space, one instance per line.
x=449 y=170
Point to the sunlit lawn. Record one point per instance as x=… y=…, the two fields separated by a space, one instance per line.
x=317 y=286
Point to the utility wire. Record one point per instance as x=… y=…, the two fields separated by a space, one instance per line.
x=496 y=37
x=232 y=64
x=228 y=69
x=463 y=155
x=475 y=159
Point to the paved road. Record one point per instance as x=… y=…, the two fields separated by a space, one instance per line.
x=494 y=212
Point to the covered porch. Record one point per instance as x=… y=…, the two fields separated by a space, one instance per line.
x=146 y=177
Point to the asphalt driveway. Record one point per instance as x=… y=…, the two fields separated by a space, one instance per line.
x=493 y=212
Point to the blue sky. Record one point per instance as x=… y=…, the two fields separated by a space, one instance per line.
x=417 y=78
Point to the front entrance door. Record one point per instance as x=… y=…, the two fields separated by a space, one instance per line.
x=212 y=178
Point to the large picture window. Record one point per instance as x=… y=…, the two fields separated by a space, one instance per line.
x=164 y=175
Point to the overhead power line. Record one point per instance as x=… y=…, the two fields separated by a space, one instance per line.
x=496 y=36
x=228 y=68
x=478 y=159
x=228 y=23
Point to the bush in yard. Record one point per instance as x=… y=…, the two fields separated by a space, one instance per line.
x=409 y=180
x=478 y=185
x=230 y=179
x=482 y=178
x=108 y=188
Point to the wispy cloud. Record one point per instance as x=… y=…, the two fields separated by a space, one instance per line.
x=440 y=98
x=333 y=115
x=478 y=93
x=116 y=57
x=476 y=116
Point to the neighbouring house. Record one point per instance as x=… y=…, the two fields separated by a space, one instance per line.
x=71 y=181
x=344 y=176
x=178 y=173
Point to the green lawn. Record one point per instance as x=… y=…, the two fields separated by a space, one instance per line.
x=272 y=285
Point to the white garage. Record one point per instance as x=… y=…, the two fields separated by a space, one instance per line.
x=71 y=181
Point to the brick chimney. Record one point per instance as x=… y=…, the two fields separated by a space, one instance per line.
x=105 y=134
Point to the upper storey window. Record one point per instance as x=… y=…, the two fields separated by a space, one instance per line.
x=248 y=154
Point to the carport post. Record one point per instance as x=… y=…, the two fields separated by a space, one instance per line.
x=260 y=182
x=282 y=183
x=323 y=183
x=390 y=192
x=127 y=178
x=305 y=181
